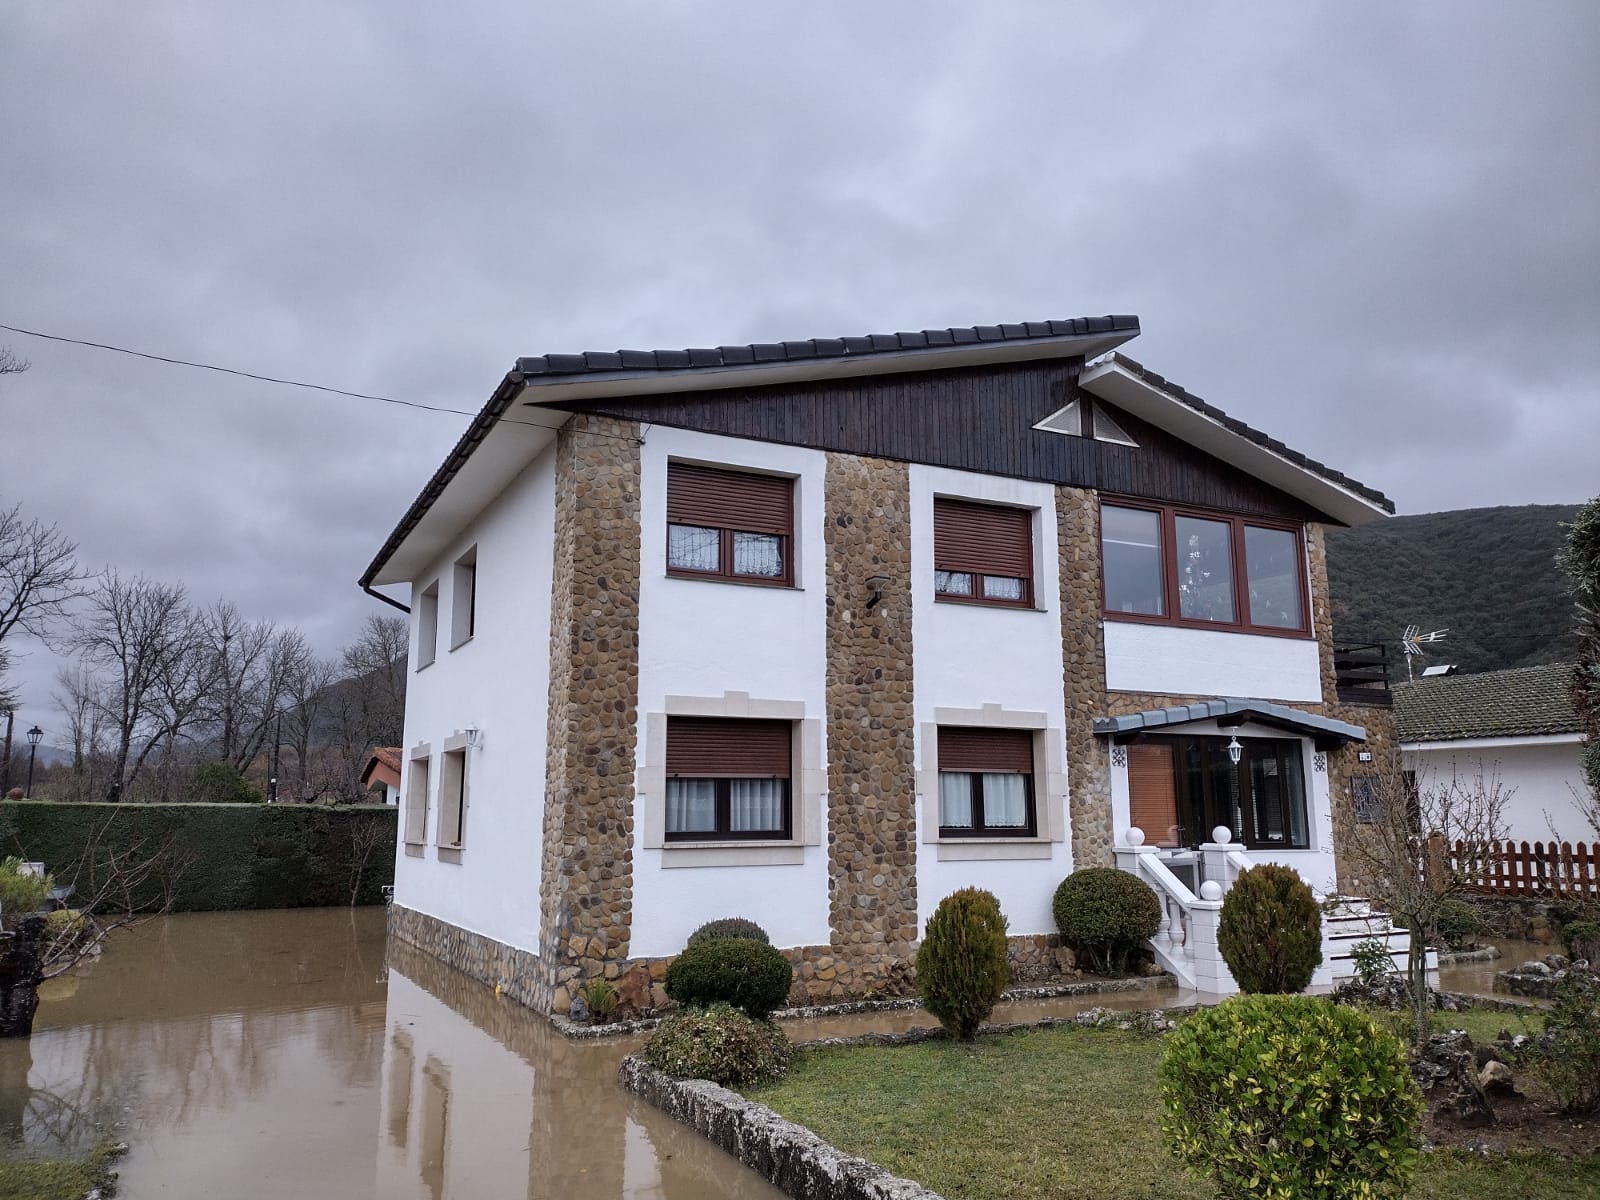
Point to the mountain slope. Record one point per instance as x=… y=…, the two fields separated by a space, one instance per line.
x=1488 y=575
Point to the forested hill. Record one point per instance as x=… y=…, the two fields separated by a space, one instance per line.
x=1488 y=575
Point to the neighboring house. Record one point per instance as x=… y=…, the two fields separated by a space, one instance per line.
x=383 y=769
x=816 y=633
x=1518 y=726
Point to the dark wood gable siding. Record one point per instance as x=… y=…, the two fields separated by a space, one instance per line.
x=973 y=419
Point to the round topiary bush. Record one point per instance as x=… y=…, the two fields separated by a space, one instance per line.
x=1104 y=914
x=728 y=927
x=961 y=964
x=721 y=1044
x=1458 y=924
x=1291 y=1097
x=1270 y=934
x=750 y=975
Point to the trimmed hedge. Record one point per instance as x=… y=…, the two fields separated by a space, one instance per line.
x=221 y=856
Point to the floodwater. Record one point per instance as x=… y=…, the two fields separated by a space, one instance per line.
x=1477 y=978
x=273 y=1054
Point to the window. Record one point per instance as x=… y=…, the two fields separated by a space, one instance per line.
x=417 y=801
x=729 y=525
x=464 y=599
x=428 y=625
x=982 y=553
x=452 y=798
x=985 y=782
x=728 y=779
x=1262 y=799
x=1203 y=570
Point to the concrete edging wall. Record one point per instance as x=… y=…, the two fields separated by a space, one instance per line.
x=787 y=1155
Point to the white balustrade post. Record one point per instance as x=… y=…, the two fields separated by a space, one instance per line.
x=1130 y=857
x=1214 y=857
x=1211 y=973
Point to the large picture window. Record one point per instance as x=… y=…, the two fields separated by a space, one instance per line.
x=986 y=782
x=729 y=525
x=728 y=779
x=1203 y=570
x=1262 y=799
x=982 y=553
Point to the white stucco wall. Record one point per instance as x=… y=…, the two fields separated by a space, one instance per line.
x=1210 y=662
x=1541 y=777
x=1315 y=864
x=699 y=638
x=498 y=683
x=970 y=655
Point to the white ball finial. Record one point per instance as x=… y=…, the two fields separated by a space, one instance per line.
x=1222 y=835
x=1134 y=836
x=1211 y=890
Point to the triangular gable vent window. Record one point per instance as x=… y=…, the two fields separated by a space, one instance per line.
x=1073 y=419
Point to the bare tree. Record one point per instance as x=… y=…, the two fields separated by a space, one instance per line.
x=39 y=574
x=307 y=683
x=376 y=663
x=1400 y=854
x=10 y=364
x=114 y=887
x=78 y=698
x=251 y=666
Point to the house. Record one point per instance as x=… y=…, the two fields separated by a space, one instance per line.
x=816 y=633
x=1517 y=726
x=383 y=770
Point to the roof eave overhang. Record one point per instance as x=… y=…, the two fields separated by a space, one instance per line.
x=602 y=385
x=1113 y=382
x=1326 y=732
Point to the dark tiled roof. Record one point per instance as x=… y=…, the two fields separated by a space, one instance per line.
x=1234 y=425
x=591 y=361
x=1524 y=702
x=1206 y=710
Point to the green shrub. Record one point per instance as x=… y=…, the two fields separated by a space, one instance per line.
x=961 y=964
x=728 y=927
x=1567 y=1054
x=602 y=998
x=221 y=783
x=20 y=894
x=1582 y=940
x=1290 y=1097
x=1270 y=933
x=1104 y=914
x=750 y=975
x=1372 y=960
x=721 y=1044
x=1457 y=924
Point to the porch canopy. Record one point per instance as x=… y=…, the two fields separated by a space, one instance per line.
x=1327 y=733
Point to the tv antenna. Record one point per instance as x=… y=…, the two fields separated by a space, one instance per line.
x=1412 y=642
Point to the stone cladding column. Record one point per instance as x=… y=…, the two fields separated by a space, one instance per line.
x=586 y=890
x=1083 y=661
x=872 y=828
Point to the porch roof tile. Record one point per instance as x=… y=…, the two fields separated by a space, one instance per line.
x=1269 y=711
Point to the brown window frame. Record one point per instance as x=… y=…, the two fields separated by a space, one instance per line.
x=1003 y=758
x=725 y=516
x=725 y=763
x=963 y=560
x=1172 y=600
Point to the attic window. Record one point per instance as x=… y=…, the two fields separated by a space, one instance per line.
x=1085 y=418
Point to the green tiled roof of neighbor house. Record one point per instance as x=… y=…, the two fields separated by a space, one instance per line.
x=1524 y=702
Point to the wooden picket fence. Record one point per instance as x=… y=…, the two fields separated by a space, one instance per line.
x=1519 y=869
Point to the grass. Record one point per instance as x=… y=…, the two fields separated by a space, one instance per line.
x=1069 y=1114
x=57 y=1179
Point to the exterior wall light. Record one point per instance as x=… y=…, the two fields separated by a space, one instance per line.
x=1235 y=751
x=876 y=582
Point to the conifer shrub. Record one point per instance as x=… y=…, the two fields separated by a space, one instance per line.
x=1291 y=1098
x=1270 y=934
x=1567 y=1054
x=750 y=975
x=961 y=964
x=221 y=783
x=728 y=927
x=721 y=1044
x=1582 y=940
x=1104 y=914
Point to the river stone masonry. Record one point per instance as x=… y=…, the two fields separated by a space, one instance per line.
x=872 y=826
x=586 y=885
x=1083 y=657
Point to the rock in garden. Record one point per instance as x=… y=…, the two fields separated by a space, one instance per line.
x=1496 y=1079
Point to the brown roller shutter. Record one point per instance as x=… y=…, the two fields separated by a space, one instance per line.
x=966 y=749
x=982 y=538
x=1152 y=792
x=729 y=499
x=714 y=747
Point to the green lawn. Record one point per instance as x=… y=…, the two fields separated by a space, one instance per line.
x=56 y=1179
x=1059 y=1113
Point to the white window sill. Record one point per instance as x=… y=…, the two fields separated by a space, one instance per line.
x=415 y=849
x=450 y=854
x=732 y=854
x=990 y=849
x=466 y=641
x=727 y=581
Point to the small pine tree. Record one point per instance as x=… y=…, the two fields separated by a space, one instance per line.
x=1270 y=934
x=961 y=964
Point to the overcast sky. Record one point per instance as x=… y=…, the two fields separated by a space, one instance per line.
x=1371 y=229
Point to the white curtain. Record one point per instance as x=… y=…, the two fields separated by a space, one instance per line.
x=691 y=806
x=1005 y=801
x=756 y=804
x=955 y=799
